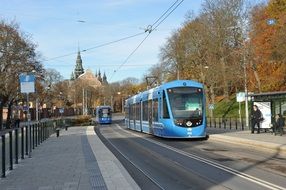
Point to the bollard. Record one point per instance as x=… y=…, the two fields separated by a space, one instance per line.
x=3 y=157
x=58 y=132
x=22 y=142
x=66 y=127
x=27 y=140
x=10 y=150
x=16 y=146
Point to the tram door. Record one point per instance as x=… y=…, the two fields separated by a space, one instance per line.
x=150 y=115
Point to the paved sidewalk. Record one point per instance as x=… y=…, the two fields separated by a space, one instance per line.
x=263 y=140
x=69 y=163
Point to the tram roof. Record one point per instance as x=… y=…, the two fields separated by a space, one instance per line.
x=153 y=91
x=269 y=93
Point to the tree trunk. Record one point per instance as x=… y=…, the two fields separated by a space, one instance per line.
x=225 y=83
x=9 y=115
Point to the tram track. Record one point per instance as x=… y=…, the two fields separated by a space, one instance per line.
x=244 y=176
x=214 y=164
x=194 y=181
x=131 y=166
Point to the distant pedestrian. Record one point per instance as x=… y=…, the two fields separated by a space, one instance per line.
x=17 y=120
x=278 y=124
x=256 y=118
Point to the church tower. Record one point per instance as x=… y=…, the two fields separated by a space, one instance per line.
x=78 y=67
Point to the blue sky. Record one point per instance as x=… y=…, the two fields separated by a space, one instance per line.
x=53 y=26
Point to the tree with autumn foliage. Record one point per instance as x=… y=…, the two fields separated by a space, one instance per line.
x=268 y=44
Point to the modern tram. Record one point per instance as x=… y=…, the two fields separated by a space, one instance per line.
x=104 y=114
x=172 y=110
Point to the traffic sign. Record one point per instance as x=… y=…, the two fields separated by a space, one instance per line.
x=27 y=83
x=240 y=97
x=211 y=106
x=61 y=110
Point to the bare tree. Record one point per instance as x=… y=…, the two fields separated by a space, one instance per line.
x=18 y=56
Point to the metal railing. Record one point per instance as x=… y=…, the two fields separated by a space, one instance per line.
x=18 y=142
x=227 y=123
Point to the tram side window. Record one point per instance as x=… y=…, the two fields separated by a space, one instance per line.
x=127 y=112
x=137 y=111
x=145 y=111
x=165 y=107
x=155 y=110
x=131 y=111
x=134 y=111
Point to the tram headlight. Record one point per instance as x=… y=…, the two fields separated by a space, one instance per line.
x=179 y=122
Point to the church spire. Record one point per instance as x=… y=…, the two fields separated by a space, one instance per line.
x=99 y=76
x=104 y=79
x=78 y=67
x=96 y=73
x=72 y=76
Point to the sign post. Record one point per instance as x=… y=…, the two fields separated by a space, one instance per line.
x=27 y=85
x=240 y=97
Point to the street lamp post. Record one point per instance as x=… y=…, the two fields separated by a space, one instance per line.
x=121 y=101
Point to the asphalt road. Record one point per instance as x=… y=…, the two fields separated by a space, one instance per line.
x=157 y=163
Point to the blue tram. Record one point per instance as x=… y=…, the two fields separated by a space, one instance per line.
x=173 y=110
x=104 y=114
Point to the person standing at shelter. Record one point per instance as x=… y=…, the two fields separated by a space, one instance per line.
x=256 y=118
x=278 y=124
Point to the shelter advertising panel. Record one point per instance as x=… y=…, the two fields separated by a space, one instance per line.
x=265 y=108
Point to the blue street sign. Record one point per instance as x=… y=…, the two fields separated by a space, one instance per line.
x=27 y=78
x=25 y=108
x=271 y=21
x=27 y=83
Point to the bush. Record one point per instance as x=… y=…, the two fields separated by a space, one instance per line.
x=81 y=120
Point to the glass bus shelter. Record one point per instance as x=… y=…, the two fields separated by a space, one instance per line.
x=275 y=100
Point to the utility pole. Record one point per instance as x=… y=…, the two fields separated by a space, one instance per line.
x=245 y=90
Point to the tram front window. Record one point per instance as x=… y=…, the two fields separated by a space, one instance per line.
x=186 y=102
x=105 y=112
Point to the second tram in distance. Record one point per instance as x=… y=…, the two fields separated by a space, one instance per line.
x=104 y=114
x=172 y=110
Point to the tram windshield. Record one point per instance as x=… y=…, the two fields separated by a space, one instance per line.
x=186 y=102
x=104 y=112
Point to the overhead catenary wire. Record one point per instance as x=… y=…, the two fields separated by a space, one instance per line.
x=150 y=29
x=165 y=12
x=128 y=57
x=94 y=47
x=154 y=28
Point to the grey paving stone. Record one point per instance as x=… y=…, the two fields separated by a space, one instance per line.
x=64 y=163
